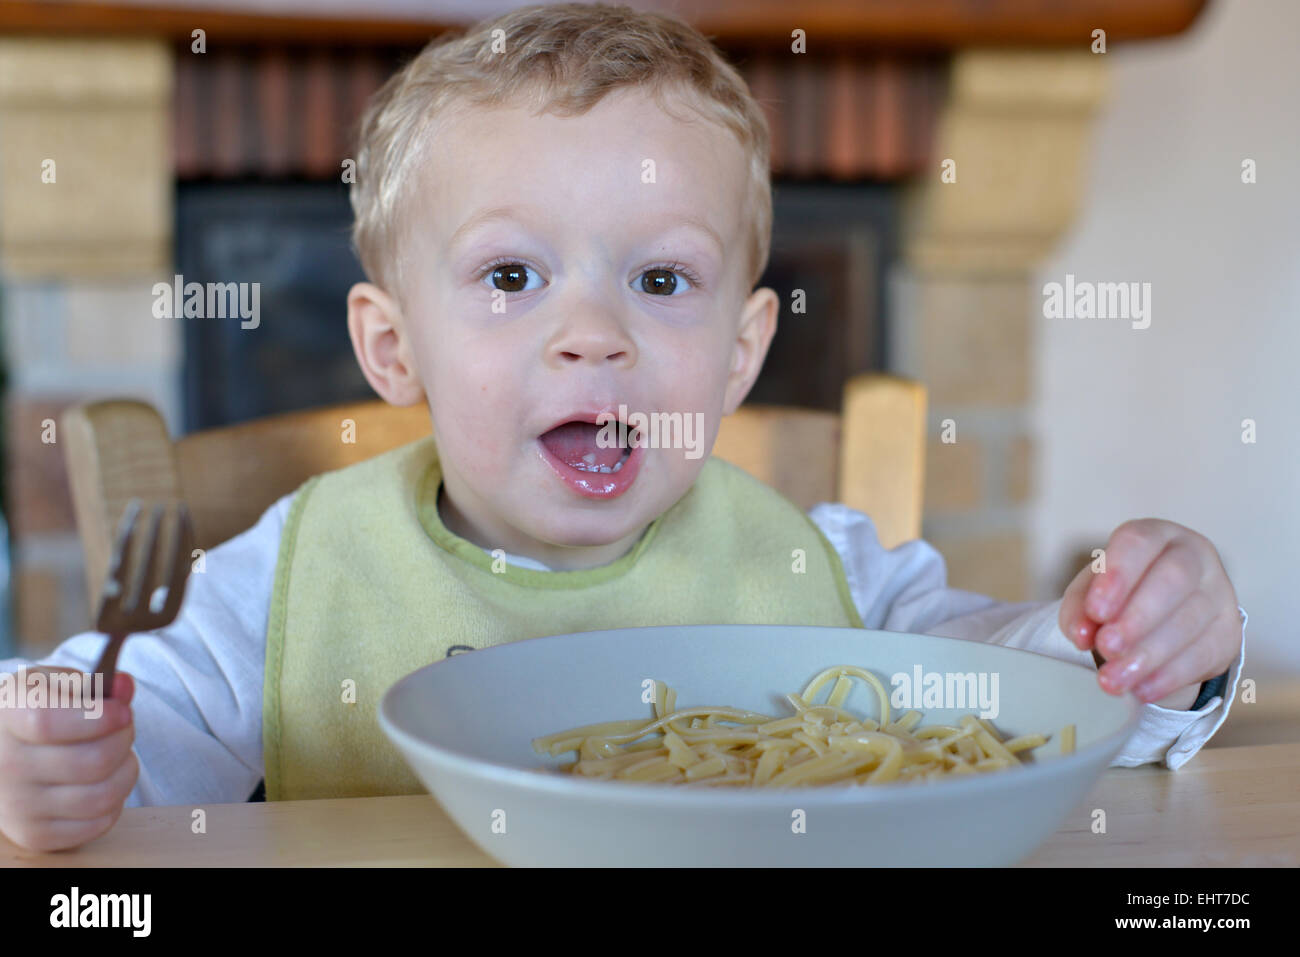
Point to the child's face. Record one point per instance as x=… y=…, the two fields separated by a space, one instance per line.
x=590 y=220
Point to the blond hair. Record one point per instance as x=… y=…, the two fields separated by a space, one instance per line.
x=563 y=58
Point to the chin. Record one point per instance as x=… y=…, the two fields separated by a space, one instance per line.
x=588 y=531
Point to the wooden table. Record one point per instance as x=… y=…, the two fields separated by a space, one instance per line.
x=1237 y=806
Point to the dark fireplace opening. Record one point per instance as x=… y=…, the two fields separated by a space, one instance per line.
x=832 y=245
x=292 y=239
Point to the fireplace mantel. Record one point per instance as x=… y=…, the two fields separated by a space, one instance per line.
x=923 y=24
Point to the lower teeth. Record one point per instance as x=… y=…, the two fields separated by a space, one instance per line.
x=603 y=469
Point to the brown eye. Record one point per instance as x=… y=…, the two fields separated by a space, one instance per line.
x=514 y=275
x=659 y=282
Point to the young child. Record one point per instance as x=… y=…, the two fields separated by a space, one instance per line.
x=562 y=213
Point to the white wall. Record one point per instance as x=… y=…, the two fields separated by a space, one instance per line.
x=1137 y=423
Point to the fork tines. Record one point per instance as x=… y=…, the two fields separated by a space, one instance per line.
x=131 y=609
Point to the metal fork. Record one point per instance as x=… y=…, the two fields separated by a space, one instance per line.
x=124 y=611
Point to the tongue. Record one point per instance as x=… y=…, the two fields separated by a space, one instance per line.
x=574 y=444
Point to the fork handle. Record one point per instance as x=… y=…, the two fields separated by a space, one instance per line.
x=108 y=661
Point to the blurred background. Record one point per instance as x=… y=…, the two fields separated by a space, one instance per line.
x=935 y=164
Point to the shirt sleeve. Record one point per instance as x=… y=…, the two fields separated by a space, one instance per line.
x=906 y=589
x=198 y=697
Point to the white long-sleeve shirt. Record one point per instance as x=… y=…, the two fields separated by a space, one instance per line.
x=198 y=698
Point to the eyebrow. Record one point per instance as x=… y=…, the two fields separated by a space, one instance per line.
x=483 y=217
x=702 y=226
x=495 y=213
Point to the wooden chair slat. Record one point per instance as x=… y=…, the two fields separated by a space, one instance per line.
x=231 y=475
x=115 y=451
x=882 y=454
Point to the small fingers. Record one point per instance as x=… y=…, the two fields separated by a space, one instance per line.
x=46 y=724
x=84 y=762
x=123 y=688
x=58 y=835
x=1131 y=549
x=1167 y=640
x=1167 y=584
x=1193 y=666
x=92 y=801
x=1072 y=620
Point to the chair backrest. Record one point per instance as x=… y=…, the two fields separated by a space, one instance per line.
x=870 y=456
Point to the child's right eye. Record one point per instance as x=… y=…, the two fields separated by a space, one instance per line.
x=507 y=275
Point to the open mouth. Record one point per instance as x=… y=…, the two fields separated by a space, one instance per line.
x=578 y=445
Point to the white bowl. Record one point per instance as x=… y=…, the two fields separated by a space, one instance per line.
x=466 y=725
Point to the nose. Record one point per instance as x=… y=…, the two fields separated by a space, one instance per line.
x=591 y=334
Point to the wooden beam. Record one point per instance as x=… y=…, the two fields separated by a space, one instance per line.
x=932 y=24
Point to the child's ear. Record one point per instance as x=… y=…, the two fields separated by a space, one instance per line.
x=383 y=349
x=757 y=326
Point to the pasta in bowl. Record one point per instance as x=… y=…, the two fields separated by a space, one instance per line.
x=818 y=745
x=485 y=733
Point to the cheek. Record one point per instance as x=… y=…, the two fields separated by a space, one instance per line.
x=695 y=382
x=696 y=363
x=698 y=383
x=481 y=424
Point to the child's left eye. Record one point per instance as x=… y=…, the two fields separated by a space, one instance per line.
x=662 y=280
x=509 y=273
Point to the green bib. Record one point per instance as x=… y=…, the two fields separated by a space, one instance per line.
x=371 y=585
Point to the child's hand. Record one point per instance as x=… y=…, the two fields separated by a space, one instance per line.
x=64 y=776
x=1169 y=612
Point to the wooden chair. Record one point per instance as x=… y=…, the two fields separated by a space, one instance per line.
x=870 y=456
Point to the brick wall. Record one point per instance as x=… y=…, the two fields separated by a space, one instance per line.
x=964 y=314
x=85 y=191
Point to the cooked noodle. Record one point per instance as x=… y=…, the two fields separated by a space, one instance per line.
x=817 y=745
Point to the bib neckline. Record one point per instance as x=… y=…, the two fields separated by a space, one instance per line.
x=426 y=508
